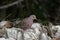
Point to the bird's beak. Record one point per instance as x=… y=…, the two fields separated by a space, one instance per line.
x=35 y=20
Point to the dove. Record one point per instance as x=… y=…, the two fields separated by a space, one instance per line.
x=27 y=22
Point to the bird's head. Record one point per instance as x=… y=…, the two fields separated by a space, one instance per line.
x=33 y=17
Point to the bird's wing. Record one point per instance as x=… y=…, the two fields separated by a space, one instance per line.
x=23 y=24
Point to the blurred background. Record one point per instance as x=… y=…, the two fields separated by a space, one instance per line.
x=45 y=10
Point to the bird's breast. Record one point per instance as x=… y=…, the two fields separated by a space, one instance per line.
x=29 y=22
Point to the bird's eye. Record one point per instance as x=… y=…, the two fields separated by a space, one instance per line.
x=33 y=16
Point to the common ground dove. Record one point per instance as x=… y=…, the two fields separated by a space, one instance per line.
x=27 y=22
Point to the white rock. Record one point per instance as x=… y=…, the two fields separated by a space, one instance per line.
x=2 y=39
x=57 y=27
x=28 y=35
x=2 y=23
x=7 y=38
x=36 y=27
x=10 y=38
x=44 y=36
x=12 y=32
